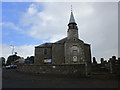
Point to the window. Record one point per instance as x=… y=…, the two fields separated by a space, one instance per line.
x=45 y=51
x=74 y=39
x=75 y=52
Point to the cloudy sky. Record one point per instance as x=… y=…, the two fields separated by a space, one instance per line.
x=28 y=24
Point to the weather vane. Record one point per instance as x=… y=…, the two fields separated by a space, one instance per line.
x=71 y=8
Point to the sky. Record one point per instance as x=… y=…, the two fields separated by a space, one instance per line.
x=28 y=24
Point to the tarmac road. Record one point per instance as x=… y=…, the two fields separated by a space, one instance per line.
x=13 y=79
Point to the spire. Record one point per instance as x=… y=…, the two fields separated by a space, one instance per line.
x=72 y=20
x=72 y=32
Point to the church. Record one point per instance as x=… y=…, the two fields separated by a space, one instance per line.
x=69 y=50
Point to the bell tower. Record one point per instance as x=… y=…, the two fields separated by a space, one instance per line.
x=72 y=32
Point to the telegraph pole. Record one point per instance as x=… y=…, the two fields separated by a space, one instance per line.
x=12 y=53
x=12 y=49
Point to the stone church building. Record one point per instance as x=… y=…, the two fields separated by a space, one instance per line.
x=69 y=50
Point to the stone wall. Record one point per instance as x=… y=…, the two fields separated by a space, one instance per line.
x=74 y=45
x=58 y=53
x=40 y=56
x=65 y=69
x=87 y=53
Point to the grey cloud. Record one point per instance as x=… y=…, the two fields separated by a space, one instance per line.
x=97 y=22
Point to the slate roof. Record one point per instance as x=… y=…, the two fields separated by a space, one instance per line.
x=72 y=20
x=62 y=40
x=47 y=45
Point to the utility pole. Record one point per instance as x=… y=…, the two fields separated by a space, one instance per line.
x=12 y=52
x=12 y=49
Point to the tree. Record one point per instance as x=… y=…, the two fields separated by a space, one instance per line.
x=31 y=59
x=2 y=59
x=27 y=60
x=11 y=59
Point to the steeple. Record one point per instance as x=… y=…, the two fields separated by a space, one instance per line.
x=72 y=20
x=72 y=32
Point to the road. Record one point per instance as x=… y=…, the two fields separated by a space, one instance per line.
x=13 y=79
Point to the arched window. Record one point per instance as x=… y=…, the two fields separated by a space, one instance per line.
x=74 y=47
x=74 y=52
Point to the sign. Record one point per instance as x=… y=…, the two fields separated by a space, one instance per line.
x=47 y=60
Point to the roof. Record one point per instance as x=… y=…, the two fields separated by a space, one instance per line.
x=72 y=20
x=87 y=44
x=62 y=40
x=47 y=45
